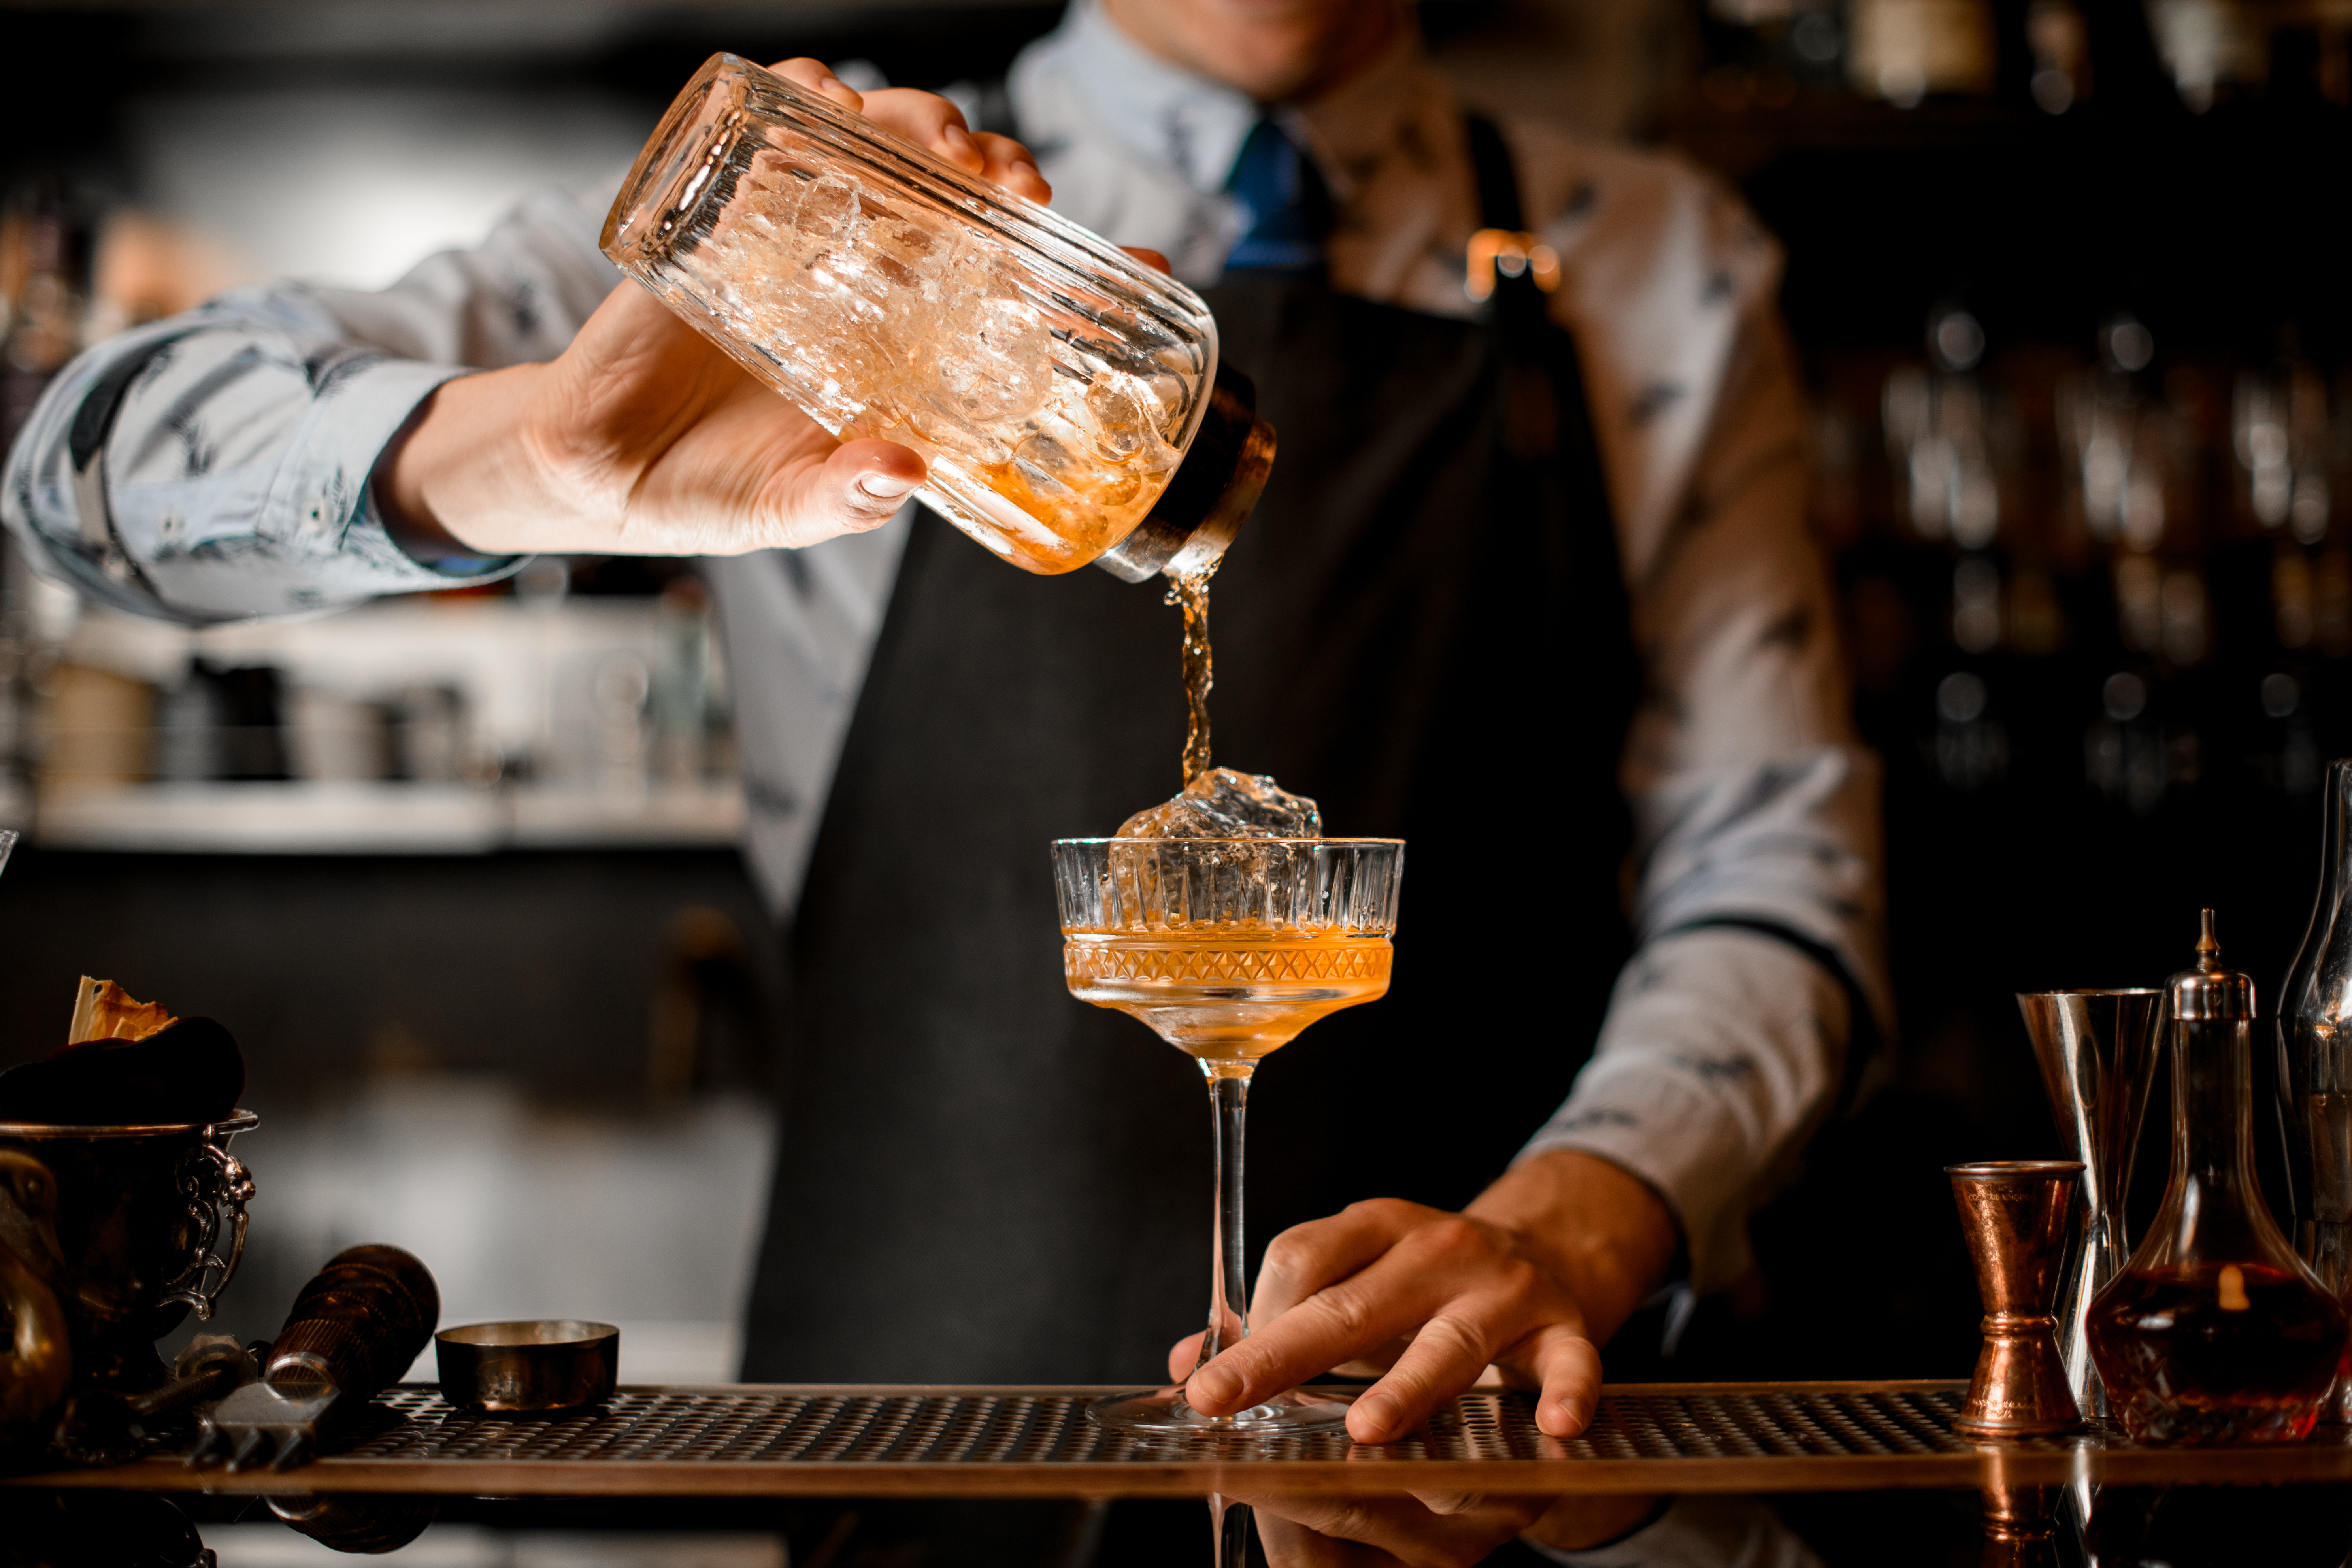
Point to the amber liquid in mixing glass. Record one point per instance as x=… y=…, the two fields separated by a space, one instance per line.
x=1230 y=994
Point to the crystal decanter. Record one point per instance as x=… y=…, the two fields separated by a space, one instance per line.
x=2215 y=1332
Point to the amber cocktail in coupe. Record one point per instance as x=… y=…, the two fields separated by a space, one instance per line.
x=1227 y=947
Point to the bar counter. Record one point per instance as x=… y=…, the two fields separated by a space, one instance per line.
x=753 y=1440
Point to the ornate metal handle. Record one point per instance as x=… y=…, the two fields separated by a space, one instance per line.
x=217 y=1187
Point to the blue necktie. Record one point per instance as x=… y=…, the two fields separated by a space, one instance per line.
x=1285 y=209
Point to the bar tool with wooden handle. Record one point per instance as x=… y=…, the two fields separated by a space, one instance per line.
x=353 y=1329
x=107 y=1426
x=2014 y=1214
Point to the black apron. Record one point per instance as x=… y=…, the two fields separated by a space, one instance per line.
x=1423 y=626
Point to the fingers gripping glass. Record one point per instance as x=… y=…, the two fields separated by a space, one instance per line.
x=1227 y=948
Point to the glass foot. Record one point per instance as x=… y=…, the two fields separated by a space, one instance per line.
x=1163 y=1412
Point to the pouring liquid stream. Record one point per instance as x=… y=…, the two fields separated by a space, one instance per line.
x=1189 y=593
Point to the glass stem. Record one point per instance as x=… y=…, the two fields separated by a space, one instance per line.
x=1229 y=1522
x=1228 y=1285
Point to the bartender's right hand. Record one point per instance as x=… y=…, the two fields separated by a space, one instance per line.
x=643 y=438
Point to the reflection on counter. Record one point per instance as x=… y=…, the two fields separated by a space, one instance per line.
x=471 y=1546
x=2296 y=1526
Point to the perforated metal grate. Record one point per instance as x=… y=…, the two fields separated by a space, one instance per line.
x=774 y=1441
x=787 y=1426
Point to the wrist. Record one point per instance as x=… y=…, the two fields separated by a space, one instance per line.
x=1602 y=1231
x=458 y=484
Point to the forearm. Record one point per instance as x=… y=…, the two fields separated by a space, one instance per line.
x=461 y=475
x=216 y=466
x=1722 y=1050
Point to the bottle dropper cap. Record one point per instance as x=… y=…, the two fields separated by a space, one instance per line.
x=2209 y=993
x=1211 y=495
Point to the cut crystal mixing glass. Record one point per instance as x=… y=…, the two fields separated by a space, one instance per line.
x=1227 y=948
x=1053 y=384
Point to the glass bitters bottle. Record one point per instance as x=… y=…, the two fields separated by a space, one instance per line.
x=2215 y=1332
x=1068 y=399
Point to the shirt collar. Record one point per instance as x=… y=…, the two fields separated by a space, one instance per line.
x=1178 y=119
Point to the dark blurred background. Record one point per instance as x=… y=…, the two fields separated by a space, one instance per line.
x=2066 y=279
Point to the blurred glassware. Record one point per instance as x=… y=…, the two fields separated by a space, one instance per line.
x=1938 y=436
x=2208 y=46
x=99 y=727
x=1976 y=604
x=41 y=281
x=678 y=697
x=2060 y=41
x=2130 y=756
x=430 y=735
x=2117 y=441
x=334 y=738
x=618 y=697
x=1971 y=747
x=1902 y=50
x=2286 y=444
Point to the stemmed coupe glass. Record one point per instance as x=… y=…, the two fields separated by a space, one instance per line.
x=1226 y=948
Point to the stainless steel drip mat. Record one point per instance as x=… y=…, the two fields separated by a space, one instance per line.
x=790 y=1440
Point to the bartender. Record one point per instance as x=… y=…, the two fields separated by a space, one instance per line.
x=1531 y=588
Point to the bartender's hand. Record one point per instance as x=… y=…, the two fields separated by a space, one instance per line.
x=643 y=438
x=1531 y=1279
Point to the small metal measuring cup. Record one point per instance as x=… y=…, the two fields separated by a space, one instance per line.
x=531 y=1364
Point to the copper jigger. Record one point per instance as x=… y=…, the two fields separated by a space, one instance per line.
x=2014 y=1214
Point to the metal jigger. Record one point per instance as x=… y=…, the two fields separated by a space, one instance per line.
x=2097 y=1051
x=2014 y=1214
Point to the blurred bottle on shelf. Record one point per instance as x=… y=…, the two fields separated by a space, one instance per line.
x=2210 y=47
x=1765 y=53
x=1902 y=51
x=40 y=282
x=2117 y=438
x=334 y=739
x=98 y=727
x=2059 y=39
x=1941 y=435
x=678 y=697
x=1971 y=746
x=2287 y=447
x=2131 y=757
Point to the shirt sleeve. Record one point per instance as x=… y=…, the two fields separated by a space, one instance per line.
x=1731 y=1032
x=215 y=466
x=1699 y=1532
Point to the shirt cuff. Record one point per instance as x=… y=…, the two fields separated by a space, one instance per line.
x=1697 y=1532
x=321 y=504
x=1720 y=1052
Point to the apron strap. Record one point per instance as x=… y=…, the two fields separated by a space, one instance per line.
x=1520 y=320
x=1498 y=179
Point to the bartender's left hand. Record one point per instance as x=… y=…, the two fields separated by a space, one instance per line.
x=1530 y=1280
